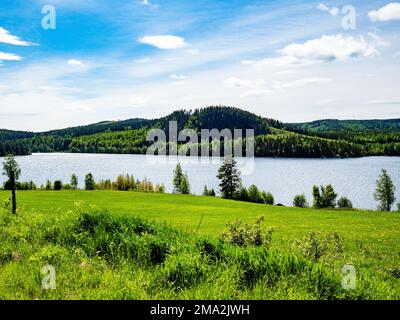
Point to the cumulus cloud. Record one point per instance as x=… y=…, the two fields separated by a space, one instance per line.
x=387 y=13
x=325 y=49
x=7 y=38
x=334 y=11
x=165 y=42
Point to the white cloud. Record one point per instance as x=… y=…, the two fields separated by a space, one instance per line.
x=148 y=3
x=334 y=11
x=143 y=60
x=325 y=49
x=303 y=82
x=255 y=88
x=178 y=76
x=387 y=13
x=9 y=57
x=165 y=42
x=7 y=38
x=74 y=62
x=194 y=52
x=397 y=55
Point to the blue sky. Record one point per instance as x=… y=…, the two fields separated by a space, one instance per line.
x=109 y=60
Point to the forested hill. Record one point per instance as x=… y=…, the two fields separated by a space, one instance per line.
x=324 y=138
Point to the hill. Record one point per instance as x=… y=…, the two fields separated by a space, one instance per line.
x=324 y=138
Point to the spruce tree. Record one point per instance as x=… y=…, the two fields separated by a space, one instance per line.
x=229 y=177
x=178 y=176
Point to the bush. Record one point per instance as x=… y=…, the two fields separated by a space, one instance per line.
x=58 y=185
x=269 y=199
x=316 y=245
x=300 y=201
x=242 y=234
x=242 y=194
x=344 y=203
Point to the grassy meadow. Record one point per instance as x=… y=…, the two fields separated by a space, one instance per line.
x=132 y=245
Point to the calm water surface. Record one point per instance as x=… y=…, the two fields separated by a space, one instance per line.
x=354 y=178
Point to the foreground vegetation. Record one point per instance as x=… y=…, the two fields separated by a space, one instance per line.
x=118 y=254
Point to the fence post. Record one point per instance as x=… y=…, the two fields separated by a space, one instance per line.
x=14 y=200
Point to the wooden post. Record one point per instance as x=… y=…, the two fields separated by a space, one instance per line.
x=14 y=200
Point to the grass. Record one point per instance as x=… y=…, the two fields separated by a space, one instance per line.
x=128 y=245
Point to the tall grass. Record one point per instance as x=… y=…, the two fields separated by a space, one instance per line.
x=98 y=255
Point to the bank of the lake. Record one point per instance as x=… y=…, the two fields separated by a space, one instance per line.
x=285 y=178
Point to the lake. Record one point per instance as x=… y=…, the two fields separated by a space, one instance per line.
x=354 y=178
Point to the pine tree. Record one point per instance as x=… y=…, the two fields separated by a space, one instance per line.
x=178 y=176
x=185 y=186
x=89 y=182
x=229 y=176
x=384 y=192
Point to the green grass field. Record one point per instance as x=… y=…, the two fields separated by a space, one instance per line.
x=371 y=244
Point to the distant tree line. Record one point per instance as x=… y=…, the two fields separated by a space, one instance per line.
x=328 y=139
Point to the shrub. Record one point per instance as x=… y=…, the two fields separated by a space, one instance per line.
x=242 y=194
x=300 y=201
x=58 y=185
x=316 y=245
x=254 y=194
x=269 y=199
x=344 y=203
x=242 y=234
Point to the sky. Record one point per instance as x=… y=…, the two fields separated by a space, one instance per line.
x=70 y=62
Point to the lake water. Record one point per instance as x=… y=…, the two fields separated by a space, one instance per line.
x=354 y=178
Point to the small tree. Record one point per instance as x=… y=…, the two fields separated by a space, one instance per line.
x=9 y=165
x=49 y=185
x=205 y=191
x=58 y=185
x=345 y=203
x=300 y=201
x=269 y=199
x=324 y=197
x=254 y=194
x=178 y=176
x=74 y=182
x=384 y=192
x=185 y=185
x=89 y=182
x=229 y=177
x=243 y=194
x=12 y=170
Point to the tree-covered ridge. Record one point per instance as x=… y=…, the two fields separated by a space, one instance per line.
x=352 y=126
x=325 y=138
